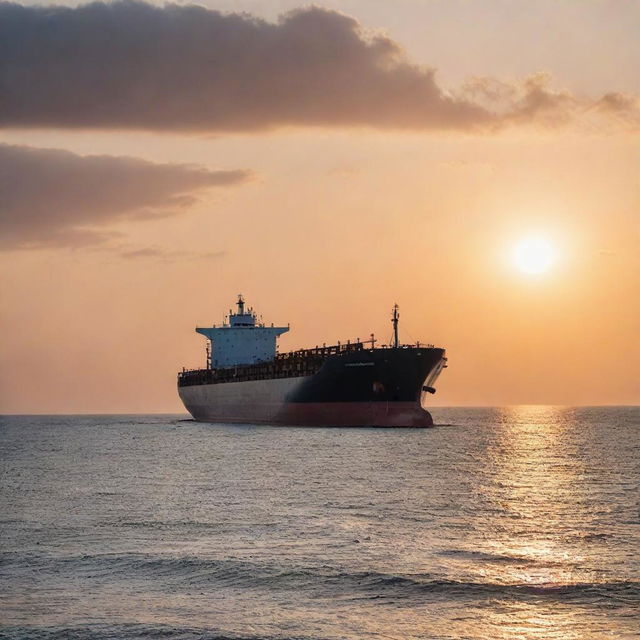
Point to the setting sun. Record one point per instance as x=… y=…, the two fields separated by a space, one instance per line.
x=534 y=255
x=320 y=319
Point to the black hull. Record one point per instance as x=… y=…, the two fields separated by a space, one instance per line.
x=366 y=387
x=377 y=375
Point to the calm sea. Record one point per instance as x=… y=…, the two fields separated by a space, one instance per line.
x=514 y=523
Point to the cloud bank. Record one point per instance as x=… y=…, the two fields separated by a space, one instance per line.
x=50 y=197
x=133 y=65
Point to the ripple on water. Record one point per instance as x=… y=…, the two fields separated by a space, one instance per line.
x=506 y=523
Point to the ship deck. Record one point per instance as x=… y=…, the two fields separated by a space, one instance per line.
x=303 y=362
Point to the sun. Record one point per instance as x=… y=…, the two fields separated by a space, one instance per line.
x=534 y=255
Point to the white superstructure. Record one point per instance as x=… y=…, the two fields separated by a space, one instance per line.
x=241 y=340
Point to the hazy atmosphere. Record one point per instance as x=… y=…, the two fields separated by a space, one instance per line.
x=259 y=168
x=326 y=161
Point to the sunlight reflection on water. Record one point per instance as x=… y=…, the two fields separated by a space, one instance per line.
x=519 y=522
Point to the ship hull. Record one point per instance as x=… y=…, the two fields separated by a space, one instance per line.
x=253 y=401
x=377 y=388
x=261 y=402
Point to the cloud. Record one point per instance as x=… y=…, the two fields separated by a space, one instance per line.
x=168 y=255
x=621 y=106
x=531 y=99
x=132 y=65
x=135 y=65
x=50 y=197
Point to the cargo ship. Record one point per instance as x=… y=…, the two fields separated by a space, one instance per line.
x=350 y=384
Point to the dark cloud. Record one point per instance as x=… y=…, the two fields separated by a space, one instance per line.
x=187 y=68
x=50 y=197
x=134 y=65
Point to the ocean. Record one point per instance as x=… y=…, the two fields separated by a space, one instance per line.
x=506 y=523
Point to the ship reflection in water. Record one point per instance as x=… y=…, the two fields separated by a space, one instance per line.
x=515 y=523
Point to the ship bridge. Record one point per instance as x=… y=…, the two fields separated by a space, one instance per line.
x=241 y=340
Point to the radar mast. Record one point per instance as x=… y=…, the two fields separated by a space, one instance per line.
x=394 y=319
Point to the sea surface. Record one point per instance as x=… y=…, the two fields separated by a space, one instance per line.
x=507 y=523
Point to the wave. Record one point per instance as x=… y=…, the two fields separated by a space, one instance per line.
x=187 y=572
x=131 y=631
x=499 y=558
x=172 y=524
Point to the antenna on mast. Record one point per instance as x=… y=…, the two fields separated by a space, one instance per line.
x=394 y=319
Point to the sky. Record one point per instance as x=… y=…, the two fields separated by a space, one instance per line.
x=327 y=161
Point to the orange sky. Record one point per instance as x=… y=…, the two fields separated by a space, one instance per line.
x=326 y=221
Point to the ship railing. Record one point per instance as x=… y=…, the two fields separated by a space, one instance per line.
x=412 y=345
x=257 y=371
x=347 y=347
x=322 y=351
x=302 y=362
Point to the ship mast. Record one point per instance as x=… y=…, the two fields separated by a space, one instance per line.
x=394 y=319
x=240 y=304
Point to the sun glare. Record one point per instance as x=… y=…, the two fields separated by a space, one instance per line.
x=533 y=255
